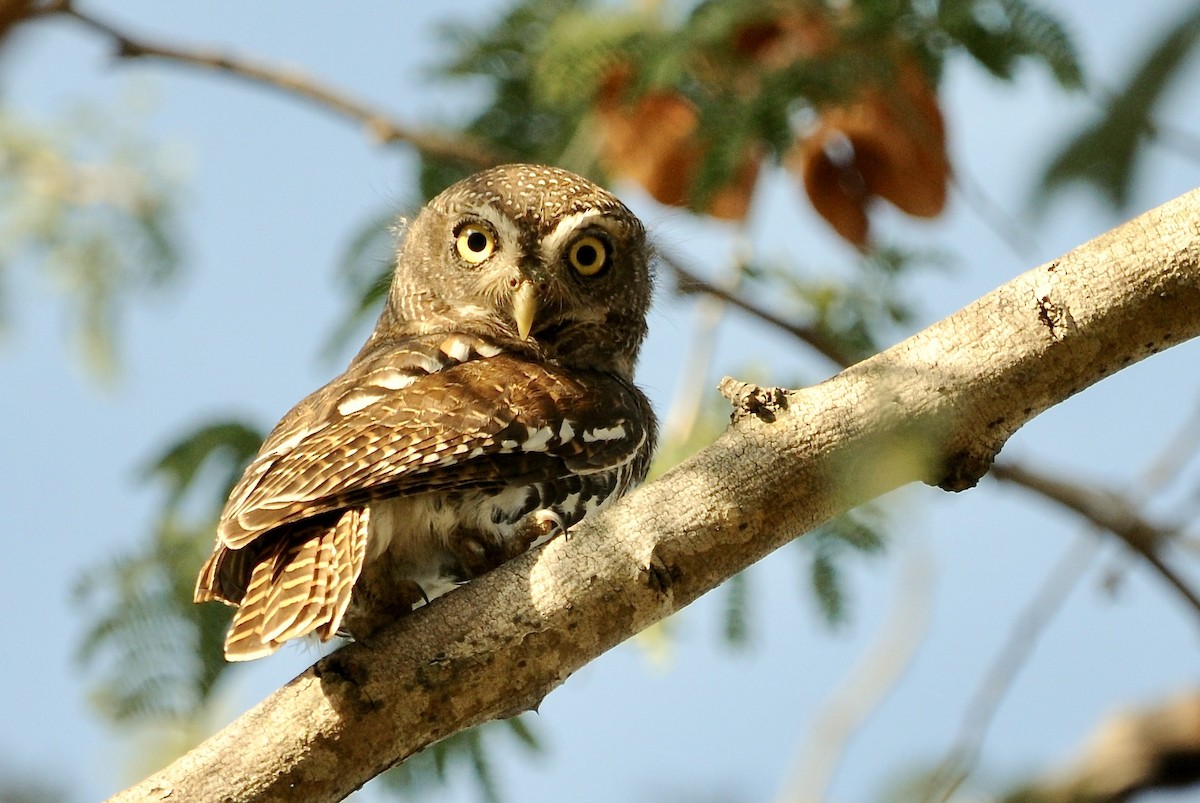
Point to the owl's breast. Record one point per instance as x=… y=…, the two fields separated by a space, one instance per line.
x=424 y=545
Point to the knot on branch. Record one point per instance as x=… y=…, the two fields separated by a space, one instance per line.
x=750 y=399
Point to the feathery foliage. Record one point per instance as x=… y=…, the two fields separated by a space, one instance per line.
x=93 y=208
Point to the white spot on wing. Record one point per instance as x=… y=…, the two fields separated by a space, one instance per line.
x=358 y=399
x=485 y=350
x=430 y=364
x=392 y=379
x=537 y=440
x=566 y=431
x=291 y=441
x=613 y=433
x=456 y=348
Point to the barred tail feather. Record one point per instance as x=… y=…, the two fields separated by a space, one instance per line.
x=243 y=642
x=302 y=588
x=350 y=545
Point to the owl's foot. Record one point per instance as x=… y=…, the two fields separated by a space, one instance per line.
x=550 y=524
x=373 y=606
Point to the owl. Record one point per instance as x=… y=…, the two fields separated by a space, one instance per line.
x=492 y=408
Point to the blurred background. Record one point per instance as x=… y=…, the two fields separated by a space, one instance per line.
x=188 y=246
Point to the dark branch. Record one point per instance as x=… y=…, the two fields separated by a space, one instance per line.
x=688 y=282
x=1129 y=754
x=1108 y=511
x=379 y=126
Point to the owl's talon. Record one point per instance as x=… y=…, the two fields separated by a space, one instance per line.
x=551 y=525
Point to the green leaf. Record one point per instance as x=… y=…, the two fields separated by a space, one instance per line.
x=859 y=530
x=366 y=273
x=91 y=207
x=998 y=33
x=520 y=728
x=827 y=588
x=464 y=750
x=154 y=654
x=225 y=446
x=1105 y=153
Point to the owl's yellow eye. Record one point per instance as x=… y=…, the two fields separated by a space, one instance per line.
x=475 y=243
x=588 y=255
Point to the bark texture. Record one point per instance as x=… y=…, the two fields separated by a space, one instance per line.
x=934 y=408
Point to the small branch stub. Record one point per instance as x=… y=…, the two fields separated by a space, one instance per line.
x=750 y=399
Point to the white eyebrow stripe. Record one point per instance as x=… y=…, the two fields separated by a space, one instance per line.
x=554 y=242
x=506 y=230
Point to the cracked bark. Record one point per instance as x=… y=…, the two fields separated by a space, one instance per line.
x=935 y=408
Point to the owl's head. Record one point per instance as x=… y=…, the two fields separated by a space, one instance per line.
x=534 y=258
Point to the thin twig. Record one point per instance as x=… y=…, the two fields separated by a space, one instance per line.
x=871 y=680
x=498 y=645
x=385 y=129
x=1129 y=754
x=1012 y=234
x=1108 y=511
x=958 y=764
x=1180 y=449
x=961 y=759
x=379 y=126
x=688 y=282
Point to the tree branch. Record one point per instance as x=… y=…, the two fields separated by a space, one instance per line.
x=1130 y=753
x=934 y=408
x=688 y=282
x=1022 y=639
x=379 y=126
x=1108 y=511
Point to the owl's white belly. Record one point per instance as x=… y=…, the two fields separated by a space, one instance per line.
x=414 y=533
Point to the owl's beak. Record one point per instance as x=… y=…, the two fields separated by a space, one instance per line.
x=524 y=308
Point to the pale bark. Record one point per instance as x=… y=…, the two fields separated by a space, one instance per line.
x=935 y=408
x=1132 y=752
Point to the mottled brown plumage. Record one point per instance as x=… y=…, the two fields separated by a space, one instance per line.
x=492 y=406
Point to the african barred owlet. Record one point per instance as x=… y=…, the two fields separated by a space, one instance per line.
x=492 y=407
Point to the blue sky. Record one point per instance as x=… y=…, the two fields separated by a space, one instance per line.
x=273 y=190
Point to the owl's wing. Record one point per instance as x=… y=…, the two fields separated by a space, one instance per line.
x=388 y=434
x=292 y=538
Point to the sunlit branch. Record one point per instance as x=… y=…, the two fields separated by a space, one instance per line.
x=963 y=755
x=1130 y=753
x=791 y=461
